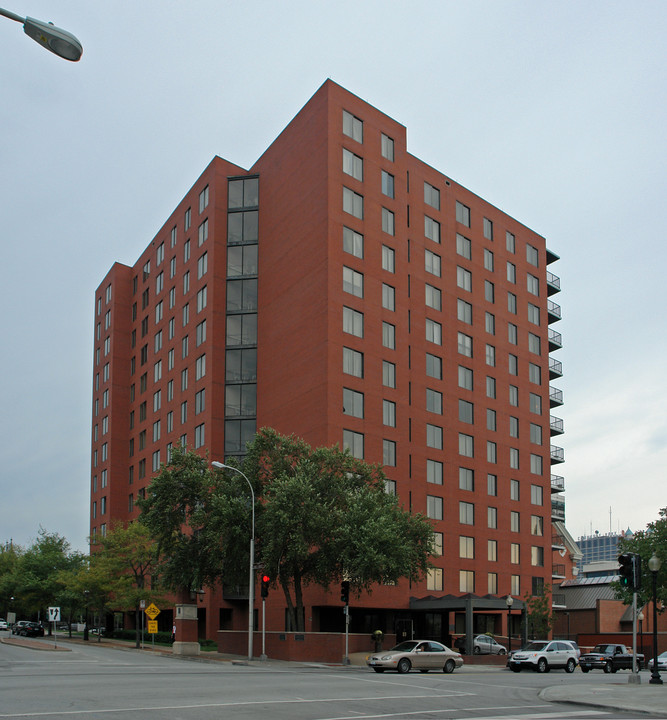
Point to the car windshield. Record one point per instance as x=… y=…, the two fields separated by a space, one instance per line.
x=536 y=646
x=604 y=649
x=405 y=646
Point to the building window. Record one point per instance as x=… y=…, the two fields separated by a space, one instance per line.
x=535 y=404
x=202 y=266
x=512 y=333
x=353 y=322
x=536 y=495
x=203 y=199
x=534 y=344
x=492 y=484
x=200 y=367
x=488 y=229
x=387 y=184
x=533 y=285
x=491 y=355
x=200 y=401
x=533 y=314
x=388 y=259
x=434 y=366
x=489 y=291
x=431 y=196
x=437 y=543
x=466 y=479
x=515 y=525
x=515 y=584
x=353 y=362
x=353 y=403
x=462 y=214
x=433 y=331
x=490 y=387
x=491 y=420
x=492 y=550
x=388 y=221
x=537 y=556
x=463 y=247
x=491 y=452
x=490 y=323
x=464 y=344
x=433 y=297
x=466 y=513
x=388 y=297
x=434 y=436
x=202 y=294
x=353 y=127
x=388 y=336
x=354 y=442
x=388 y=374
x=466 y=411
x=466 y=581
x=510 y=242
x=466 y=445
x=353 y=242
x=515 y=488
x=466 y=547
x=492 y=583
x=488 y=260
x=431 y=229
x=434 y=507
x=434 y=580
x=464 y=279
x=432 y=263
x=515 y=553
x=465 y=378
x=514 y=458
x=535 y=373
x=353 y=282
x=532 y=255
x=353 y=165
x=535 y=434
x=537 y=525
x=389 y=455
x=389 y=413
x=464 y=311
x=511 y=272
x=202 y=233
x=387 y=147
x=434 y=472
x=434 y=401
x=200 y=438
x=353 y=203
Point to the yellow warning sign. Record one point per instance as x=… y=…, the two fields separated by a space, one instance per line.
x=152 y=611
x=152 y=627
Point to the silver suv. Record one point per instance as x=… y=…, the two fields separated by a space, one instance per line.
x=543 y=655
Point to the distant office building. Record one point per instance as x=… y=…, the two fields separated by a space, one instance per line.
x=600 y=547
x=346 y=291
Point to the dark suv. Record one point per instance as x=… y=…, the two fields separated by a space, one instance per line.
x=32 y=629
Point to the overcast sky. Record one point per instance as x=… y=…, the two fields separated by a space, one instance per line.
x=552 y=111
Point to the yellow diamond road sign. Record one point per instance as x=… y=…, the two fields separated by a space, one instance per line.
x=152 y=611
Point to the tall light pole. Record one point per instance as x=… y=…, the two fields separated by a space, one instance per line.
x=509 y=601
x=58 y=41
x=251 y=577
x=654 y=565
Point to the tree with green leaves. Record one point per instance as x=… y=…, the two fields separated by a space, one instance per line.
x=539 y=612
x=645 y=543
x=322 y=516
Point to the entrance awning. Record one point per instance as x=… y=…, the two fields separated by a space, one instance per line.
x=463 y=602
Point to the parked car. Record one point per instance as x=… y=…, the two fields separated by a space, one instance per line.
x=422 y=655
x=575 y=646
x=17 y=626
x=662 y=662
x=3 y=624
x=481 y=645
x=543 y=655
x=32 y=629
x=609 y=657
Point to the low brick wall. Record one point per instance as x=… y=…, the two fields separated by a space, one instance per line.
x=309 y=647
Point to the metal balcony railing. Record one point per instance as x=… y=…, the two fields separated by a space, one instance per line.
x=555 y=368
x=556 y=425
x=557 y=483
x=558 y=600
x=558 y=571
x=555 y=340
x=553 y=283
x=555 y=396
x=558 y=510
x=553 y=311
x=557 y=541
x=557 y=455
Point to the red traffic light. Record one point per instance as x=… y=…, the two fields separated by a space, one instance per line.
x=266 y=581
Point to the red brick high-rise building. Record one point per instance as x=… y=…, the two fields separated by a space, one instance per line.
x=343 y=290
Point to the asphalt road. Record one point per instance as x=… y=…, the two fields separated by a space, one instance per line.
x=101 y=682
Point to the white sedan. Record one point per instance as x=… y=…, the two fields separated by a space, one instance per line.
x=422 y=655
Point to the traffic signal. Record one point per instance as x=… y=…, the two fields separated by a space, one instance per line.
x=345 y=592
x=630 y=571
x=266 y=581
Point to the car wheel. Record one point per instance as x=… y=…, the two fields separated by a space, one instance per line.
x=607 y=667
x=379 y=670
x=569 y=668
x=449 y=667
x=476 y=650
x=585 y=669
x=503 y=652
x=404 y=665
x=542 y=666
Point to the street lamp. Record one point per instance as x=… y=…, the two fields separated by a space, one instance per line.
x=640 y=617
x=85 y=621
x=251 y=578
x=55 y=39
x=654 y=565
x=509 y=601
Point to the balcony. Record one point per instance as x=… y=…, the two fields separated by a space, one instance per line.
x=557 y=510
x=551 y=256
x=557 y=543
x=555 y=340
x=556 y=425
x=553 y=311
x=553 y=283
x=558 y=572
x=558 y=600
x=234 y=592
x=557 y=455
x=557 y=484
x=555 y=368
x=555 y=397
